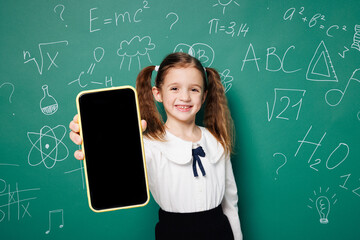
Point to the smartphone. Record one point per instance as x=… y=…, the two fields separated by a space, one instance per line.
x=114 y=163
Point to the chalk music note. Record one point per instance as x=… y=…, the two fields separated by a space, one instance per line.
x=62 y=219
x=337 y=93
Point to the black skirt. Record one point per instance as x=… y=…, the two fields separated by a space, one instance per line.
x=206 y=225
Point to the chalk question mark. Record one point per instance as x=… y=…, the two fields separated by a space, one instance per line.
x=177 y=18
x=61 y=12
x=285 y=161
x=12 y=91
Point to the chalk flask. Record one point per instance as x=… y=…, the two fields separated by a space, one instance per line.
x=48 y=104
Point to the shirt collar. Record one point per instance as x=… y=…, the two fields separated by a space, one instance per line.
x=179 y=151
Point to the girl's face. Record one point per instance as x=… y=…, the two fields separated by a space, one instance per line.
x=182 y=94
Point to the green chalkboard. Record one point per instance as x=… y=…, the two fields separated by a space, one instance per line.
x=291 y=72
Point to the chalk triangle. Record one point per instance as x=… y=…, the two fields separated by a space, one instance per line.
x=320 y=67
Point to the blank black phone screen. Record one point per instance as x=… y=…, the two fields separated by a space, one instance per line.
x=112 y=142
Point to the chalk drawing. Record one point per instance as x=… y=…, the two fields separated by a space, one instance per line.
x=342 y=55
x=15 y=199
x=226 y=79
x=337 y=94
x=28 y=58
x=137 y=48
x=320 y=67
x=225 y=3
x=48 y=104
x=322 y=204
x=53 y=212
x=49 y=145
x=81 y=169
x=356 y=39
x=201 y=51
x=9 y=164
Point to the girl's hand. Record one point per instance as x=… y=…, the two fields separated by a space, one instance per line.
x=76 y=138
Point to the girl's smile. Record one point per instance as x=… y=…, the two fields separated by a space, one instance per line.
x=182 y=95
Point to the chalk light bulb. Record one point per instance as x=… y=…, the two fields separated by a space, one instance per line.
x=323 y=208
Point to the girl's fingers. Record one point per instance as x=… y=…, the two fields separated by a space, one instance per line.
x=143 y=125
x=75 y=138
x=79 y=155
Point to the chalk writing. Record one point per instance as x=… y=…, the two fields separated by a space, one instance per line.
x=53 y=212
x=246 y=59
x=108 y=82
x=271 y=53
x=334 y=159
x=317 y=20
x=119 y=18
x=283 y=157
x=98 y=53
x=346 y=177
x=28 y=58
x=287 y=96
x=12 y=89
x=135 y=48
x=18 y=199
x=330 y=158
x=98 y=56
x=274 y=62
x=176 y=18
x=62 y=9
x=232 y=29
x=49 y=145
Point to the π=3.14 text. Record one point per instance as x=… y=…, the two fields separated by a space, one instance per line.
x=232 y=29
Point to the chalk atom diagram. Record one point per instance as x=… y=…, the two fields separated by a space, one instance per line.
x=47 y=146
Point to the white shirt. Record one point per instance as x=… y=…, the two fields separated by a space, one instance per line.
x=172 y=182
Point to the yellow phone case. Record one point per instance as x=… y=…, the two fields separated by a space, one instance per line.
x=142 y=147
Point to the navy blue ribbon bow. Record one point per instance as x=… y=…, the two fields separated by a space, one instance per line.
x=197 y=153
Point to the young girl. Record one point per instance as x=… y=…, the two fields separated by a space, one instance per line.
x=189 y=169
